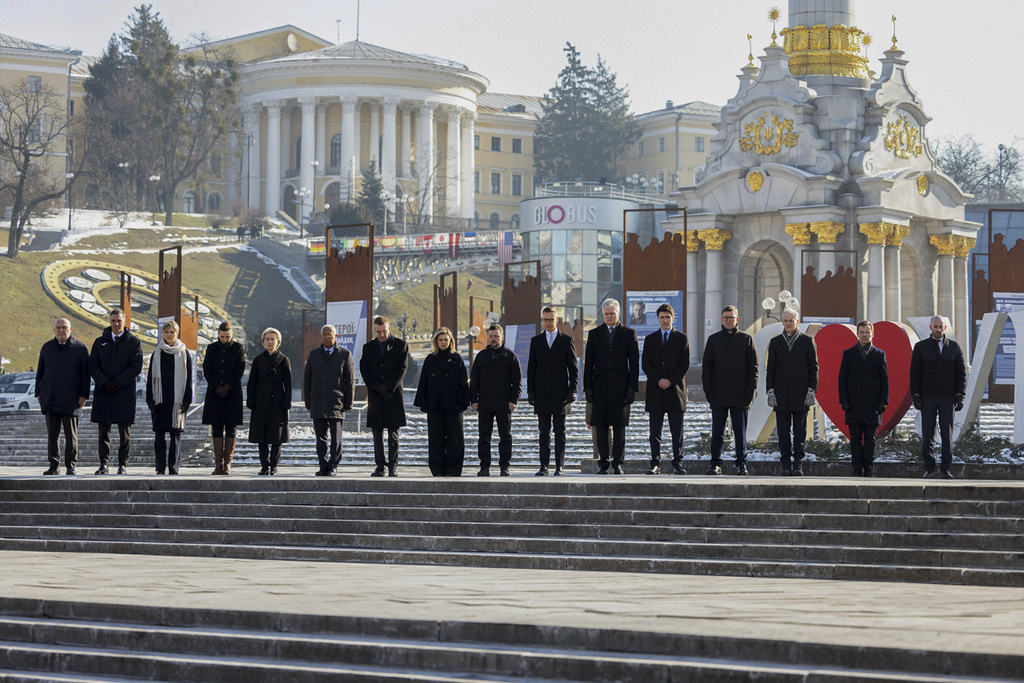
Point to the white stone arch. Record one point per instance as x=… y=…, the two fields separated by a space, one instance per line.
x=765 y=269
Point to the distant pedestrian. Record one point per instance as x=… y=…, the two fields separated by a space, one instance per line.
x=938 y=385
x=863 y=396
x=240 y=232
x=268 y=395
x=791 y=380
x=115 y=364
x=495 y=385
x=253 y=232
x=328 y=387
x=169 y=396
x=62 y=387
x=223 y=367
x=443 y=394
x=383 y=366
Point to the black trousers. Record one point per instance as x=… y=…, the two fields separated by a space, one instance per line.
x=486 y=422
x=328 y=457
x=613 y=440
x=545 y=421
x=739 y=428
x=446 y=443
x=941 y=406
x=862 y=445
x=168 y=451
x=675 y=428
x=124 y=446
x=378 y=447
x=270 y=455
x=54 y=423
x=792 y=428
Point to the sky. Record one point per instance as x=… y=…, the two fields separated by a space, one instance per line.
x=961 y=56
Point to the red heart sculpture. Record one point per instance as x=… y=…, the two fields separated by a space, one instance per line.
x=896 y=339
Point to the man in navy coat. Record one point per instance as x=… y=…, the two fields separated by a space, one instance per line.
x=665 y=360
x=863 y=395
x=938 y=383
x=114 y=363
x=62 y=387
x=552 y=377
x=383 y=365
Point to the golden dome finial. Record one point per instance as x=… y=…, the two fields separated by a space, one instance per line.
x=894 y=32
x=750 y=43
x=773 y=16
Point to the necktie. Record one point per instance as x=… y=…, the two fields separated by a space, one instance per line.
x=664 y=339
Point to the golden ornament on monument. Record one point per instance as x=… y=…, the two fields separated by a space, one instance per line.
x=768 y=138
x=922 y=185
x=755 y=180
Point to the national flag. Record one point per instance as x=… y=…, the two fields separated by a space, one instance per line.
x=453 y=245
x=504 y=248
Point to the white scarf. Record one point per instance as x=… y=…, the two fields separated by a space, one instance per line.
x=179 y=352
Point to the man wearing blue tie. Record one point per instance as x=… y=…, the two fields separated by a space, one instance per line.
x=665 y=361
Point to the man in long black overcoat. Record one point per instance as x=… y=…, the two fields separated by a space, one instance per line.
x=863 y=396
x=666 y=359
x=552 y=378
x=383 y=365
x=115 y=362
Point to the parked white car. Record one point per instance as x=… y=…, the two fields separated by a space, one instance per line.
x=19 y=396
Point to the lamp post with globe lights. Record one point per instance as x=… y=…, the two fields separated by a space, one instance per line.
x=154 y=179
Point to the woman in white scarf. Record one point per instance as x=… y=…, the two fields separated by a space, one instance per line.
x=169 y=395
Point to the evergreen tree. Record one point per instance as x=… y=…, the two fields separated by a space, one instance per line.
x=585 y=123
x=350 y=214
x=369 y=196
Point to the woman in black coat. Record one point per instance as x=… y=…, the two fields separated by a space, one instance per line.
x=269 y=397
x=169 y=395
x=443 y=394
x=223 y=367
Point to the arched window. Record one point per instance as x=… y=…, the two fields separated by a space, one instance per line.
x=213 y=202
x=495 y=220
x=332 y=195
x=515 y=221
x=189 y=200
x=336 y=151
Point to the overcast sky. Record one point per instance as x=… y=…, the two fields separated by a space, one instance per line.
x=964 y=57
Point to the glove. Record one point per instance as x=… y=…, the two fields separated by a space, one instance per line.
x=958 y=404
x=772 y=401
x=184 y=409
x=223 y=390
x=381 y=391
x=570 y=397
x=845 y=407
x=629 y=397
x=881 y=408
x=151 y=406
x=918 y=402
x=809 y=398
x=109 y=387
x=531 y=400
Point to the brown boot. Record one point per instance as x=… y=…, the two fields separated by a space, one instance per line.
x=218 y=454
x=229 y=453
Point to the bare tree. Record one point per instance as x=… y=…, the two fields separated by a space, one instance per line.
x=34 y=130
x=995 y=179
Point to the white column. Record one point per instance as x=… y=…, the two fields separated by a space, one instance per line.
x=406 y=167
x=693 y=326
x=961 y=321
x=306 y=171
x=375 y=134
x=467 y=196
x=348 y=133
x=251 y=162
x=387 y=164
x=944 y=266
x=893 y=304
x=712 y=295
x=286 y=140
x=357 y=147
x=875 y=305
x=273 y=191
x=453 y=165
x=425 y=157
x=321 y=138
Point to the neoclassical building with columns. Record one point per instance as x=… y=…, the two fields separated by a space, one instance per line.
x=820 y=181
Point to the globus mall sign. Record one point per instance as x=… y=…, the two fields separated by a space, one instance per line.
x=575 y=213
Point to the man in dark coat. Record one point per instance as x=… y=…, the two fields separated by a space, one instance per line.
x=62 y=387
x=729 y=376
x=791 y=380
x=115 y=363
x=552 y=377
x=495 y=385
x=665 y=361
x=328 y=386
x=382 y=365
x=611 y=373
x=863 y=395
x=938 y=384
x=223 y=367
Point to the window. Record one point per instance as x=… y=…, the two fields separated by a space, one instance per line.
x=189 y=200
x=71 y=108
x=517 y=185
x=495 y=221
x=640 y=148
x=336 y=151
x=661 y=145
x=476 y=142
x=495 y=183
x=215 y=163
x=476 y=182
x=213 y=203
x=35 y=131
x=515 y=221
x=495 y=144
x=698 y=144
x=517 y=145
x=35 y=84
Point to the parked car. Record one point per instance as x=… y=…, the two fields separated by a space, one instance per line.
x=19 y=395
x=11 y=377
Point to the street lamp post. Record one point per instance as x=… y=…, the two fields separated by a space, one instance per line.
x=154 y=179
x=123 y=165
x=303 y=193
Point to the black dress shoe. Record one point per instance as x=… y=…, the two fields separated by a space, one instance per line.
x=102 y=470
x=265 y=471
x=798 y=470
x=392 y=471
x=52 y=470
x=122 y=469
x=741 y=469
x=542 y=472
x=505 y=472
x=714 y=469
x=868 y=471
x=558 y=471
x=161 y=472
x=71 y=470
x=784 y=472
x=929 y=474
x=946 y=474
x=379 y=472
x=617 y=469
x=602 y=468
x=858 y=473
x=333 y=472
x=321 y=473
x=654 y=470
x=677 y=469
x=484 y=472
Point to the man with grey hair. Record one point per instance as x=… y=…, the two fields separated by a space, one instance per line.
x=495 y=385
x=328 y=386
x=938 y=384
x=62 y=387
x=791 y=380
x=611 y=372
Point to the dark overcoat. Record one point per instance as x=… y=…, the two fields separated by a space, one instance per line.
x=268 y=395
x=329 y=383
x=791 y=372
x=119 y=362
x=935 y=374
x=223 y=365
x=495 y=380
x=163 y=418
x=62 y=376
x=443 y=383
x=670 y=362
x=552 y=374
x=729 y=369
x=863 y=384
x=611 y=374
x=383 y=374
